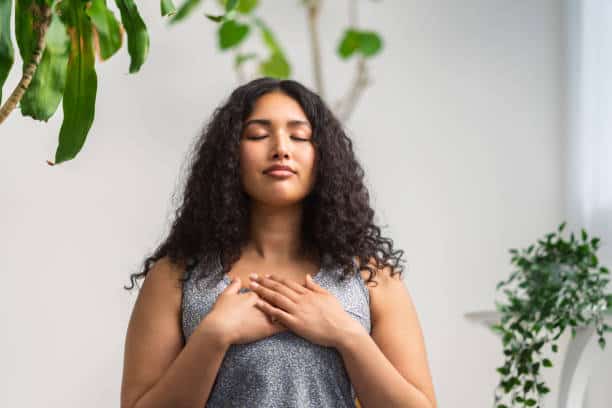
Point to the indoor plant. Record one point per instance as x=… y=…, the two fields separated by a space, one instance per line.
x=558 y=284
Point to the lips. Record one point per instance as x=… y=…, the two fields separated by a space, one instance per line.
x=280 y=169
x=282 y=174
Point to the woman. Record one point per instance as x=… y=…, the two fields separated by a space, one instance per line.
x=259 y=296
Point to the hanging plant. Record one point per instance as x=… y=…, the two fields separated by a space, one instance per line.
x=558 y=284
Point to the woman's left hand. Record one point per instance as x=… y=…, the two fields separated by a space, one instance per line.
x=309 y=311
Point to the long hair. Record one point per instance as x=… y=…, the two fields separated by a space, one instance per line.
x=212 y=220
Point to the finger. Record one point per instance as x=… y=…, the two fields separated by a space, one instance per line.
x=273 y=297
x=234 y=286
x=281 y=286
x=310 y=284
x=296 y=287
x=279 y=315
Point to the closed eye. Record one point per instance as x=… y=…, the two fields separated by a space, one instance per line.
x=261 y=137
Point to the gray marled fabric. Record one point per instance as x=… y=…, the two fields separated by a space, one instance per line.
x=283 y=370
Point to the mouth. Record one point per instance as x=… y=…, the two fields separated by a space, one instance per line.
x=279 y=173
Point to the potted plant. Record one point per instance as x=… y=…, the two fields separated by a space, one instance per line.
x=558 y=284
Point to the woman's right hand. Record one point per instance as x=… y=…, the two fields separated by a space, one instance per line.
x=237 y=318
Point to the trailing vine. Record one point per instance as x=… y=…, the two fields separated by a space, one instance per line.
x=558 y=284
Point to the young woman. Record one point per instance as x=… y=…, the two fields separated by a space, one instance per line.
x=274 y=287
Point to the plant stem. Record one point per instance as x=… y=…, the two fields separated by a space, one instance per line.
x=42 y=20
x=313 y=8
x=345 y=106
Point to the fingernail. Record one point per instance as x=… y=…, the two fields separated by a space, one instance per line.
x=268 y=275
x=254 y=284
x=254 y=276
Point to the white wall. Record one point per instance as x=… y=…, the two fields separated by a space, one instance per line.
x=461 y=138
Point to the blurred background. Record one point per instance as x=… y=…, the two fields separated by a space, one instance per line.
x=487 y=124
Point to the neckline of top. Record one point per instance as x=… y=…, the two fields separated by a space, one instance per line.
x=315 y=278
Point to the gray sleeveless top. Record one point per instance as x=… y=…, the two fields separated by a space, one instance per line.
x=285 y=369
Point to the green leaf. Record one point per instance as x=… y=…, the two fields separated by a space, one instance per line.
x=24 y=30
x=216 y=19
x=167 y=8
x=370 y=43
x=602 y=342
x=7 y=55
x=81 y=85
x=138 y=38
x=542 y=389
x=184 y=10
x=349 y=43
x=231 y=33
x=43 y=96
x=547 y=363
x=560 y=228
x=267 y=36
x=107 y=27
x=530 y=402
x=555 y=348
x=230 y=5
x=503 y=370
x=275 y=66
x=241 y=58
x=244 y=6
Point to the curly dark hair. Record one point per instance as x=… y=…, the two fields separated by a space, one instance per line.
x=211 y=223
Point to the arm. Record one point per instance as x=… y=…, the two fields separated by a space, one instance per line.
x=389 y=368
x=158 y=371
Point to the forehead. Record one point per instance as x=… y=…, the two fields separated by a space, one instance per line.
x=276 y=108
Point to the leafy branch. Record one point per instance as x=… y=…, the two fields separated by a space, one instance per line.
x=58 y=41
x=558 y=284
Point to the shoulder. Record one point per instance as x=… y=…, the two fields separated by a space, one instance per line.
x=165 y=269
x=384 y=277
x=163 y=279
x=386 y=290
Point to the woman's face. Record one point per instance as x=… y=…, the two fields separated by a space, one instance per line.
x=277 y=132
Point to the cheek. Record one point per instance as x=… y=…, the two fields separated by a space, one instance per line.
x=307 y=158
x=248 y=159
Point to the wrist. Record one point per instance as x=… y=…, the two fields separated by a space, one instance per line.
x=215 y=332
x=349 y=334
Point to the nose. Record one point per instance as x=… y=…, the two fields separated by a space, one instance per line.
x=281 y=145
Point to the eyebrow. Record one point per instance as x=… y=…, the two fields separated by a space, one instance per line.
x=268 y=123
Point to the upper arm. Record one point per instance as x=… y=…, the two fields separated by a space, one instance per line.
x=397 y=332
x=154 y=336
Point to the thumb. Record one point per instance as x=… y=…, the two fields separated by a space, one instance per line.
x=234 y=286
x=310 y=284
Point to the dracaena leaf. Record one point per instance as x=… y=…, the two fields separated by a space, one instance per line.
x=107 y=28
x=43 y=96
x=81 y=85
x=138 y=38
x=185 y=10
x=167 y=8
x=7 y=55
